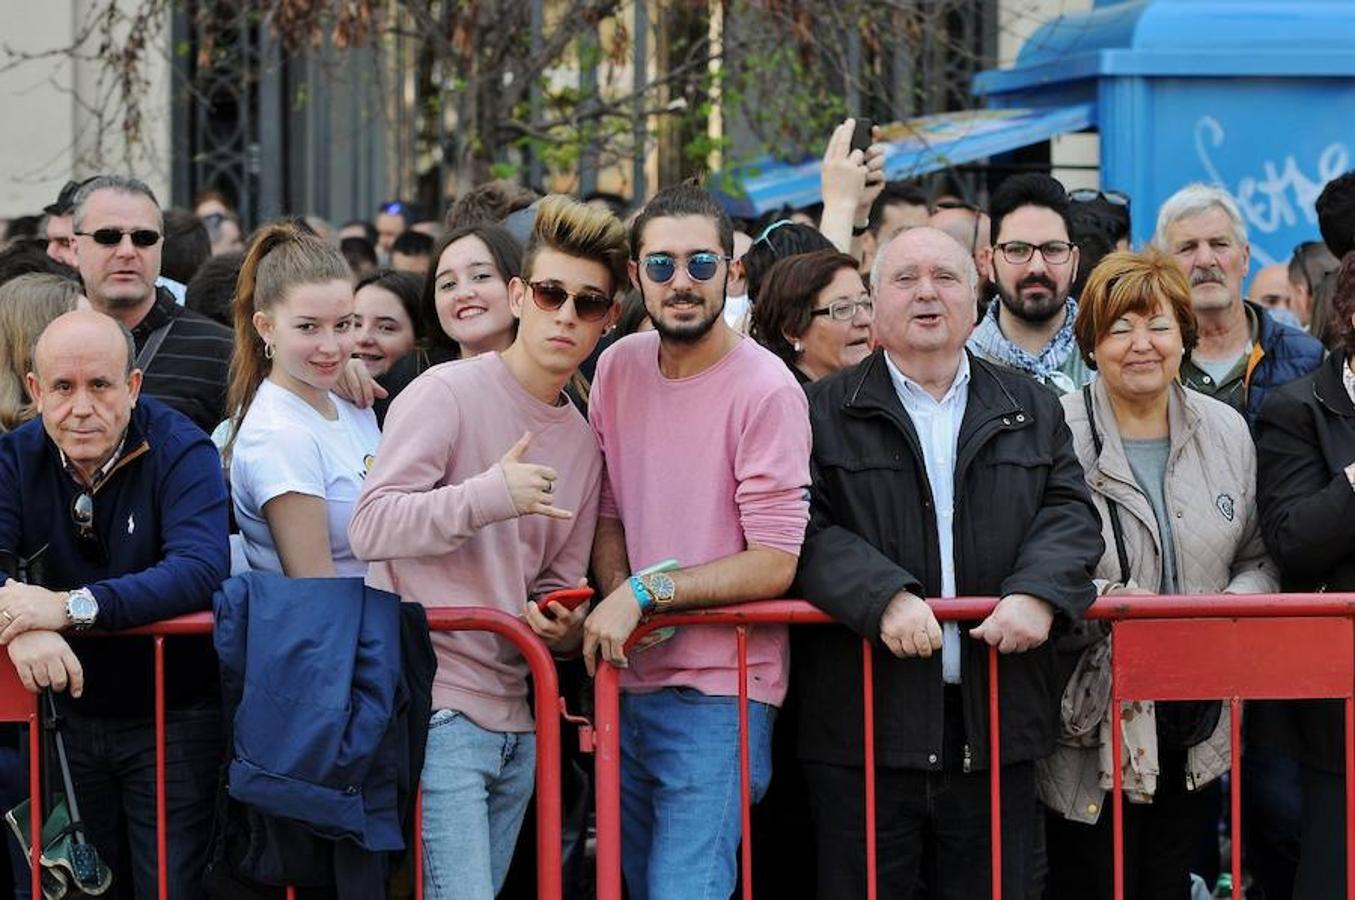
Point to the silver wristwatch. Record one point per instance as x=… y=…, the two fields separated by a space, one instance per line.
x=81 y=608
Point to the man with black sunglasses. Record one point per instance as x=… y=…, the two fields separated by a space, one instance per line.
x=1032 y=262
x=185 y=357
x=119 y=502
x=705 y=436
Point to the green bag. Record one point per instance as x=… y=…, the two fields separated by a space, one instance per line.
x=71 y=867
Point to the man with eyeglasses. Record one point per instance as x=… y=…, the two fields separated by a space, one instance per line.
x=705 y=439
x=118 y=506
x=1243 y=351
x=1033 y=263
x=119 y=235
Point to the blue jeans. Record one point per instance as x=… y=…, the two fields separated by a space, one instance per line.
x=112 y=763
x=476 y=785
x=680 y=811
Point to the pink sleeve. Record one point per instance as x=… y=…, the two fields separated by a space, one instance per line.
x=771 y=466
x=598 y=419
x=405 y=509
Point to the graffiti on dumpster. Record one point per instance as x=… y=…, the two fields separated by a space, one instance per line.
x=1284 y=192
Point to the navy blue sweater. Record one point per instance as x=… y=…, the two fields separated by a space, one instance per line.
x=162 y=515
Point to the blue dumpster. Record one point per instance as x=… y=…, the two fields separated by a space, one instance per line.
x=1257 y=96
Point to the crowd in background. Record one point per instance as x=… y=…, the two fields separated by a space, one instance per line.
x=890 y=396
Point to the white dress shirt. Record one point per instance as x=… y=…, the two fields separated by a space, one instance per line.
x=937 y=424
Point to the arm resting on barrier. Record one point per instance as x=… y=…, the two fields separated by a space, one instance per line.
x=752 y=574
x=43 y=659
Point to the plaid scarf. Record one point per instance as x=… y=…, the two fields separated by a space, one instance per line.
x=988 y=340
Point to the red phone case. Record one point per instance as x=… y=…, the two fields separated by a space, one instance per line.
x=569 y=598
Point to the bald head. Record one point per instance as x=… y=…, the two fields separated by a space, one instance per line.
x=960 y=223
x=84 y=387
x=932 y=242
x=85 y=332
x=1270 y=286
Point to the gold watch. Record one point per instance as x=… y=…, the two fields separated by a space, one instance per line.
x=662 y=588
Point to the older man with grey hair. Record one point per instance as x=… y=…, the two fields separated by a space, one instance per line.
x=1243 y=351
x=119 y=236
x=937 y=474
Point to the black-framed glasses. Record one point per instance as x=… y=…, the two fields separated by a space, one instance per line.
x=1090 y=195
x=111 y=237
x=845 y=310
x=590 y=306
x=82 y=516
x=702 y=266
x=1019 y=252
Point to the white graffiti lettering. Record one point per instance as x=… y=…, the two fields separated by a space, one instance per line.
x=1282 y=194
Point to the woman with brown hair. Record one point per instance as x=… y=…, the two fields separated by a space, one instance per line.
x=1173 y=475
x=27 y=304
x=813 y=312
x=300 y=452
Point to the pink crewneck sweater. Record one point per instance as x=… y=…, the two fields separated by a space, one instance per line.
x=698 y=469
x=437 y=523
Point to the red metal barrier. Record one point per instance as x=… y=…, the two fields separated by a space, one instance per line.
x=1217 y=647
x=18 y=705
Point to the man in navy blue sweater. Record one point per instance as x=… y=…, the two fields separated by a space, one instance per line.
x=120 y=506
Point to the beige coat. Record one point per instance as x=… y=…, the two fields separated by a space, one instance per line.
x=1210 y=491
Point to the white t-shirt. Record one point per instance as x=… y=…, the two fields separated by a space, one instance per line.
x=286 y=446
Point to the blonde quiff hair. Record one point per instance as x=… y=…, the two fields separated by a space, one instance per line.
x=577 y=229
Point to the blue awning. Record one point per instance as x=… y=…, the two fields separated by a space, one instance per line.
x=914 y=147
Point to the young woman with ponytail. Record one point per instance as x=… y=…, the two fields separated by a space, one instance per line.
x=299 y=451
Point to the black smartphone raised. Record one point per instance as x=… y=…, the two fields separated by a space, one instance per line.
x=861 y=134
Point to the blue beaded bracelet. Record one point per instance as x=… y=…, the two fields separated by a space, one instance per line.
x=642 y=594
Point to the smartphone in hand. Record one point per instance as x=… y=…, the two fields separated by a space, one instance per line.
x=570 y=598
x=862 y=133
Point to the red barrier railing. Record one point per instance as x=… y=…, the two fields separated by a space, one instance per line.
x=1202 y=647
x=18 y=705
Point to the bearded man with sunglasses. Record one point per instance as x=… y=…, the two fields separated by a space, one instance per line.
x=119 y=237
x=705 y=436
x=118 y=506
x=1032 y=263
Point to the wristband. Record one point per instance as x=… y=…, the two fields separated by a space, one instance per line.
x=642 y=594
x=858 y=230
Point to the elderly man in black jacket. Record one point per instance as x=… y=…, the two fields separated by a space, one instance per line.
x=936 y=474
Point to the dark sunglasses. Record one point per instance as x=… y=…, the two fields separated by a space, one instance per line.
x=111 y=237
x=590 y=306
x=82 y=515
x=1088 y=195
x=661 y=267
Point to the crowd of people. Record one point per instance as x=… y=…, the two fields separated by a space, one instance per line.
x=876 y=404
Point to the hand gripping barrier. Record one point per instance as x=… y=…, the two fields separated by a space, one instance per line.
x=1226 y=647
x=18 y=705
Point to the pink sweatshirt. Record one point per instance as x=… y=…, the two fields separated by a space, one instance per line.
x=436 y=520
x=697 y=469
